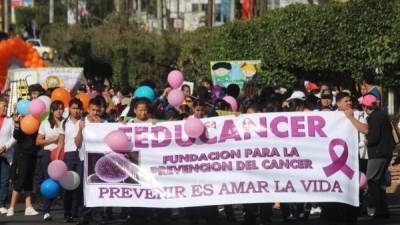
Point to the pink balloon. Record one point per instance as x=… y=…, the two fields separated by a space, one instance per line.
x=175 y=79
x=176 y=97
x=57 y=169
x=37 y=108
x=363 y=181
x=118 y=141
x=193 y=127
x=232 y=101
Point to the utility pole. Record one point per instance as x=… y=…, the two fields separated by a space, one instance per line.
x=127 y=8
x=77 y=14
x=210 y=12
x=178 y=6
x=164 y=13
x=259 y=8
x=160 y=14
x=178 y=15
x=117 y=6
x=232 y=10
x=132 y=5
x=139 y=11
x=6 y=19
x=51 y=11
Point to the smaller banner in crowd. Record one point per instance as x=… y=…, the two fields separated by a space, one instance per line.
x=18 y=81
x=224 y=73
x=51 y=77
x=252 y=158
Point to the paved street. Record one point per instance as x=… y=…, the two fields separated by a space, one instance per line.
x=19 y=218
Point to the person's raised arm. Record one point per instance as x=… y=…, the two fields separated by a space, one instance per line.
x=361 y=127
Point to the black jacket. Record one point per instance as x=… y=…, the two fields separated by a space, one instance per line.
x=26 y=144
x=380 y=139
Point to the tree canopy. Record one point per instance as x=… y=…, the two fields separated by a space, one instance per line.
x=331 y=42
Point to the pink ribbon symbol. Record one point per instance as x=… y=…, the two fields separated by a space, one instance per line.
x=338 y=163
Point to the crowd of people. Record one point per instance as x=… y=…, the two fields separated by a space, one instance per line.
x=24 y=158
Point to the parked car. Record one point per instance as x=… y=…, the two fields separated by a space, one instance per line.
x=47 y=53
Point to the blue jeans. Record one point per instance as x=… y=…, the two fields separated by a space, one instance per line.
x=4 y=180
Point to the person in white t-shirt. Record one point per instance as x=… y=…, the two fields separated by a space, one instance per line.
x=48 y=137
x=94 y=116
x=331 y=210
x=71 y=140
x=7 y=142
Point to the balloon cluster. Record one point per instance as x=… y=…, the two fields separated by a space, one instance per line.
x=37 y=110
x=175 y=80
x=193 y=127
x=33 y=112
x=16 y=48
x=59 y=175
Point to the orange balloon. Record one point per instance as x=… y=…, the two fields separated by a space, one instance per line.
x=29 y=124
x=85 y=98
x=62 y=95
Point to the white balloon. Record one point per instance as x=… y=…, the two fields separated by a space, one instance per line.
x=47 y=101
x=70 y=181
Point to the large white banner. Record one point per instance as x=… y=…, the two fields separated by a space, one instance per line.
x=252 y=158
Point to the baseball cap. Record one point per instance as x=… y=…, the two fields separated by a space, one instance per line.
x=297 y=95
x=311 y=86
x=369 y=100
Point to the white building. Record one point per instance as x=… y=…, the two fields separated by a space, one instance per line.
x=191 y=14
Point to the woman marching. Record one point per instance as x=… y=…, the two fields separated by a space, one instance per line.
x=71 y=141
x=48 y=137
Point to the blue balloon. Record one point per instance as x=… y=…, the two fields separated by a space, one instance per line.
x=144 y=92
x=23 y=107
x=50 y=188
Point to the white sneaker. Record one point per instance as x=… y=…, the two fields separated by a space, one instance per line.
x=10 y=212
x=370 y=211
x=30 y=211
x=3 y=210
x=315 y=211
x=47 y=217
